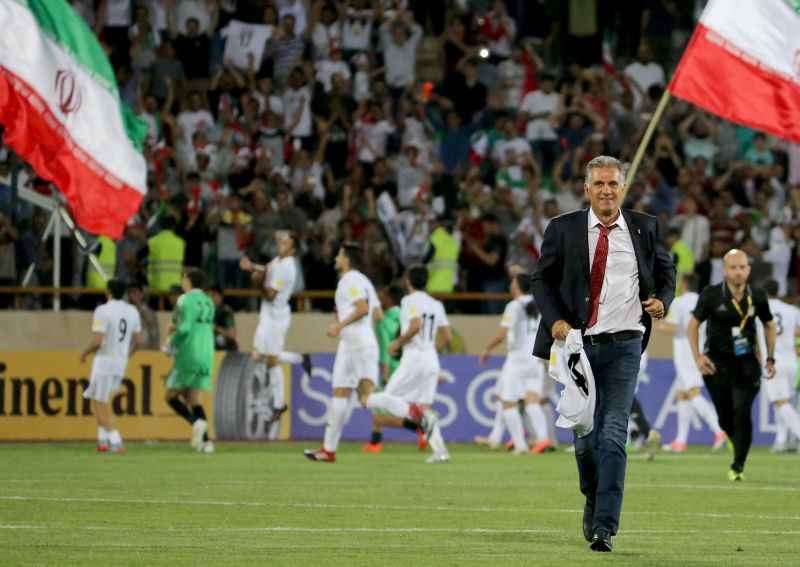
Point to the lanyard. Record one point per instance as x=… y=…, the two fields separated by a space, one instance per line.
x=744 y=316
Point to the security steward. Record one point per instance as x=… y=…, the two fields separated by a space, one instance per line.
x=731 y=363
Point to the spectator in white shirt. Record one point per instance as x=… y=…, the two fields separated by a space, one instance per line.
x=327 y=68
x=297 y=107
x=510 y=143
x=539 y=109
x=195 y=117
x=644 y=72
x=400 y=38
x=326 y=34
x=372 y=132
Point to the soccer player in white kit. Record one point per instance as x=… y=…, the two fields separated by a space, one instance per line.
x=690 y=382
x=277 y=281
x=116 y=334
x=523 y=376
x=356 y=365
x=779 y=387
x=415 y=379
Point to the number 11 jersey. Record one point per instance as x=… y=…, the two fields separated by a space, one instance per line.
x=420 y=305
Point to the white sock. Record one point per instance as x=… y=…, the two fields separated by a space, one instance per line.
x=336 y=421
x=782 y=432
x=514 y=424
x=102 y=435
x=536 y=415
x=276 y=383
x=707 y=413
x=352 y=403
x=436 y=441
x=386 y=402
x=496 y=434
x=684 y=421
x=550 y=417
x=290 y=358
x=114 y=437
x=790 y=418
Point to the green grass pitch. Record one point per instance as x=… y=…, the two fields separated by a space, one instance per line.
x=259 y=504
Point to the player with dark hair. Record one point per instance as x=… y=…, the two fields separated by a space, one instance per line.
x=116 y=329
x=191 y=339
x=422 y=320
x=355 y=369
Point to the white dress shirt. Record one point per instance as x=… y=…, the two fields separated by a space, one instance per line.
x=620 y=308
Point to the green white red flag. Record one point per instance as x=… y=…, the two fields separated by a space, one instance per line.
x=62 y=113
x=743 y=64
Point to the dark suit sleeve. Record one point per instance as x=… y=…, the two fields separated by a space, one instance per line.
x=547 y=278
x=663 y=272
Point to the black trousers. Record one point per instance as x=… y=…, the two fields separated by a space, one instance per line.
x=733 y=389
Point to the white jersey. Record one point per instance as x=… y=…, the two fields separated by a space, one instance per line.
x=420 y=305
x=521 y=328
x=281 y=276
x=352 y=288
x=787 y=319
x=680 y=312
x=117 y=320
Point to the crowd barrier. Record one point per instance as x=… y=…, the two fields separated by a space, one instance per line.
x=41 y=399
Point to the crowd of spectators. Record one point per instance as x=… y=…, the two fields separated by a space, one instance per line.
x=383 y=120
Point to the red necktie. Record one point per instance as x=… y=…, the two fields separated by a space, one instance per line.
x=598 y=273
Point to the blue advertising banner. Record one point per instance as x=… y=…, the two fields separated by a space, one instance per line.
x=465 y=403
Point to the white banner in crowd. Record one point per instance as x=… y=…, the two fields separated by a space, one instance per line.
x=242 y=39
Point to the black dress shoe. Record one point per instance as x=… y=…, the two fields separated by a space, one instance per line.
x=601 y=541
x=588 y=519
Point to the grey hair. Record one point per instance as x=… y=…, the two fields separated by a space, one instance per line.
x=605 y=161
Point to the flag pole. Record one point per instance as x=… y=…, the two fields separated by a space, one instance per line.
x=648 y=134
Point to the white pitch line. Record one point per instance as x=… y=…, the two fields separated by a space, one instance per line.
x=384 y=508
x=360 y=530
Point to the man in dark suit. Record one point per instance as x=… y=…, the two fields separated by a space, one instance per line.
x=604 y=271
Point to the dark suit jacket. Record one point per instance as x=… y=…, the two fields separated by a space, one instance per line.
x=561 y=280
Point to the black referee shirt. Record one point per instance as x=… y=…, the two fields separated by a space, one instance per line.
x=716 y=305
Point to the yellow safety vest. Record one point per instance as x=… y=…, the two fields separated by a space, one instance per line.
x=165 y=262
x=443 y=266
x=108 y=260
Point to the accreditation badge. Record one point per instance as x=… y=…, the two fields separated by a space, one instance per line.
x=741 y=345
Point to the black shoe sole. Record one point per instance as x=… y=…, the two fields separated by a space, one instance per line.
x=600 y=546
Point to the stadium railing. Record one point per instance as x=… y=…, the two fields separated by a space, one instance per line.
x=303 y=299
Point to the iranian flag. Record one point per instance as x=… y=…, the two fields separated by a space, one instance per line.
x=63 y=114
x=743 y=64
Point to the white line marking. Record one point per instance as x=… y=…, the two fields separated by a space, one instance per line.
x=379 y=507
x=360 y=530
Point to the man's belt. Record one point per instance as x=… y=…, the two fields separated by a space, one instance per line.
x=605 y=338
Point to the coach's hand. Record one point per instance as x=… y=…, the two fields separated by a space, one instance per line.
x=560 y=330
x=705 y=365
x=333 y=330
x=654 y=308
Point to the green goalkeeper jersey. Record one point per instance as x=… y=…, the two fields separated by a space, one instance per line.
x=194 y=335
x=388 y=329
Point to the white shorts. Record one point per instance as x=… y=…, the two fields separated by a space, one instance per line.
x=416 y=377
x=521 y=374
x=105 y=379
x=270 y=336
x=780 y=386
x=687 y=373
x=353 y=365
